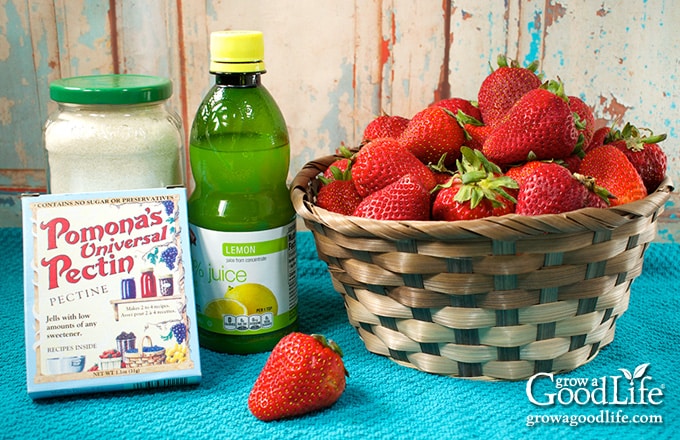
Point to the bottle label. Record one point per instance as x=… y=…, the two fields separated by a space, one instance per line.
x=245 y=282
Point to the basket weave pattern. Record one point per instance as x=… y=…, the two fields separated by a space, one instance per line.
x=145 y=359
x=499 y=298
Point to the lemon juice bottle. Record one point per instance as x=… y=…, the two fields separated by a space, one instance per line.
x=242 y=222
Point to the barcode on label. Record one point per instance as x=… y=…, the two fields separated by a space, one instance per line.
x=161 y=383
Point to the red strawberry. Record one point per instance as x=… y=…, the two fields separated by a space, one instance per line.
x=522 y=172
x=449 y=206
x=383 y=161
x=385 y=126
x=431 y=133
x=572 y=162
x=475 y=131
x=598 y=138
x=339 y=196
x=613 y=171
x=342 y=164
x=644 y=153
x=476 y=135
x=596 y=196
x=595 y=200
x=405 y=199
x=304 y=373
x=503 y=87
x=539 y=126
x=477 y=190
x=586 y=119
x=551 y=189
x=455 y=104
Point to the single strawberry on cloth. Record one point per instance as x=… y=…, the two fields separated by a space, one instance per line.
x=304 y=373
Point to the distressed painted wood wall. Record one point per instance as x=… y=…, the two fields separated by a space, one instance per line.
x=334 y=65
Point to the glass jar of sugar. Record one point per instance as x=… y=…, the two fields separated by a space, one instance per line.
x=113 y=132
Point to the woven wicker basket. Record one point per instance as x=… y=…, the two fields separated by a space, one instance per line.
x=500 y=298
x=144 y=359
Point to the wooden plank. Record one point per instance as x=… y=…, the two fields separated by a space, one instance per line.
x=416 y=55
x=333 y=66
x=20 y=106
x=191 y=76
x=479 y=31
x=22 y=180
x=370 y=53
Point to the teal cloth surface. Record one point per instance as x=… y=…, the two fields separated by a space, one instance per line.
x=382 y=400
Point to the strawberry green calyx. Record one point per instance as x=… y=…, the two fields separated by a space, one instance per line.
x=503 y=61
x=475 y=160
x=440 y=167
x=578 y=121
x=591 y=185
x=635 y=140
x=337 y=173
x=556 y=87
x=345 y=152
x=329 y=343
x=481 y=179
x=464 y=119
x=580 y=143
x=533 y=66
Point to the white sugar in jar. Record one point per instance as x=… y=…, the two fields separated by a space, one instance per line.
x=113 y=132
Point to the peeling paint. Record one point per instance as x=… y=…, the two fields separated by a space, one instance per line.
x=21 y=151
x=602 y=12
x=534 y=29
x=4 y=48
x=6 y=110
x=613 y=108
x=553 y=12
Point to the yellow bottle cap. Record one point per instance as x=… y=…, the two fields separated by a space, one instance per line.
x=236 y=52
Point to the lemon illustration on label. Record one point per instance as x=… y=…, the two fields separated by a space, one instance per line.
x=224 y=306
x=256 y=298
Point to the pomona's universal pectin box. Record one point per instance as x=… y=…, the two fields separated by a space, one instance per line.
x=108 y=287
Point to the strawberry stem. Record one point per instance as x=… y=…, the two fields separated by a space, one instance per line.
x=592 y=186
x=635 y=141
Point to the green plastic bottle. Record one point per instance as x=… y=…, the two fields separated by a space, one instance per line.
x=242 y=222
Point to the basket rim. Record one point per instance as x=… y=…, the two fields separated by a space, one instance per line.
x=511 y=225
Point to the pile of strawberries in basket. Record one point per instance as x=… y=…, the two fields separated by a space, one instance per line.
x=524 y=146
